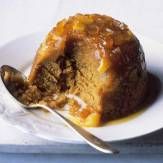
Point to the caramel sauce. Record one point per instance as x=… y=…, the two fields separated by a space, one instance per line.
x=126 y=119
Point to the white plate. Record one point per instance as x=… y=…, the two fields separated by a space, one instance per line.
x=20 y=53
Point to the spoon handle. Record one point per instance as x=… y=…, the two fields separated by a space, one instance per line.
x=92 y=140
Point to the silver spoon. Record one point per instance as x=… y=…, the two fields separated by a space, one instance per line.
x=92 y=140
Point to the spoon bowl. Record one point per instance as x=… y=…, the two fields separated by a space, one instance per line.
x=9 y=73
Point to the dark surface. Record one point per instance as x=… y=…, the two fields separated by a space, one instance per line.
x=79 y=158
x=149 y=144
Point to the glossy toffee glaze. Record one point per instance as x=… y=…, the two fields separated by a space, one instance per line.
x=119 y=69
